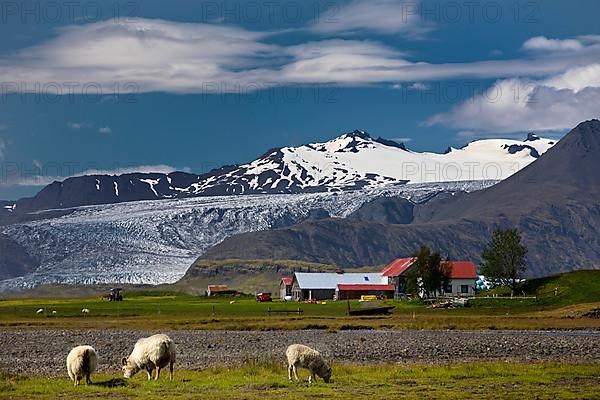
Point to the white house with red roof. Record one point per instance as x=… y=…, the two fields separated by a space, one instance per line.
x=339 y=285
x=285 y=287
x=463 y=275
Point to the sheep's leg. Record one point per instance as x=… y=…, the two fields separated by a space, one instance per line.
x=290 y=368
x=149 y=372
x=296 y=373
x=311 y=377
x=171 y=371
x=157 y=373
x=88 y=381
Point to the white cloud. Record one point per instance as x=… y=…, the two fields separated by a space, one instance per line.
x=402 y=139
x=376 y=16
x=542 y=43
x=105 y=129
x=516 y=106
x=165 y=56
x=2 y=148
x=555 y=102
x=576 y=79
x=412 y=86
x=41 y=180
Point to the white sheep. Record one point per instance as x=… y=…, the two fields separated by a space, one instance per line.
x=85 y=311
x=81 y=361
x=154 y=352
x=40 y=311
x=302 y=356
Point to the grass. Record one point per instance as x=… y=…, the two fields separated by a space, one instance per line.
x=163 y=310
x=560 y=290
x=578 y=293
x=476 y=380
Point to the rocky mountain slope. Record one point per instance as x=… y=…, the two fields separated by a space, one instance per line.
x=553 y=201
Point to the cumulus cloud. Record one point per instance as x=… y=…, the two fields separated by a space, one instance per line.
x=555 y=102
x=376 y=16
x=542 y=43
x=576 y=79
x=515 y=106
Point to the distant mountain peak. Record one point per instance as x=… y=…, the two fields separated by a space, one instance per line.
x=351 y=161
x=358 y=133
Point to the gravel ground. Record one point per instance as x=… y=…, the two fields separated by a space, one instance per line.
x=45 y=351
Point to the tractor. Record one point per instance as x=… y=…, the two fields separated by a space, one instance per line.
x=115 y=294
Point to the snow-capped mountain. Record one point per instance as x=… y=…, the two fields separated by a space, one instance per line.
x=356 y=160
x=352 y=161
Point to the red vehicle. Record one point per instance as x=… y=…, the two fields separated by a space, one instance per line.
x=263 y=297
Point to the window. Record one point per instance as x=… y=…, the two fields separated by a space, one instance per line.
x=448 y=288
x=366 y=278
x=464 y=289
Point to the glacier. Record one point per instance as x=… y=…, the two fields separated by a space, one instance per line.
x=155 y=241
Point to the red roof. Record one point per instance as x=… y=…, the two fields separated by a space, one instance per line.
x=460 y=269
x=398 y=266
x=287 y=280
x=463 y=270
x=358 y=286
x=218 y=288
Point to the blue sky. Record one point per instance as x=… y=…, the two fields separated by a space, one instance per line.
x=433 y=74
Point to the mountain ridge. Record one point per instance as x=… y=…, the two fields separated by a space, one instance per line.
x=552 y=201
x=350 y=161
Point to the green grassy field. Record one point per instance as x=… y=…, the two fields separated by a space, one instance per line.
x=562 y=302
x=479 y=380
x=171 y=311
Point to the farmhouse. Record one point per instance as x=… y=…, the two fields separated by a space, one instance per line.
x=463 y=275
x=285 y=287
x=326 y=286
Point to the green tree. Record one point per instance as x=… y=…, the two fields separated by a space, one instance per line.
x=430 y=274
x=504 y=258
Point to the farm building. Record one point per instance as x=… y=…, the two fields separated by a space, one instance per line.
x=216 y=290
x=285 y=287
x=327 y=286
x=355 y=291
x=463 y=275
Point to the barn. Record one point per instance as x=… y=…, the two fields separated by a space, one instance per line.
x=463 y=275
x=355 y=291
x=327 y=286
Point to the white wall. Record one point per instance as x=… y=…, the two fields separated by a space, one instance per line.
x=456 y=287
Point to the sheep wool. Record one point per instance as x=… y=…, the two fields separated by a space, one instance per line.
x=300 y=356
x=81 y=362
x=154 y=352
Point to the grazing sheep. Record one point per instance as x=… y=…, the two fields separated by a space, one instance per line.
x=40 y=311
x=149 y=353
x=85 y=311
x=81 y=361
x=302 y=356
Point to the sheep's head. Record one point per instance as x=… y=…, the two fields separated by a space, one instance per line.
x=325 y=372
x=129 y=368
